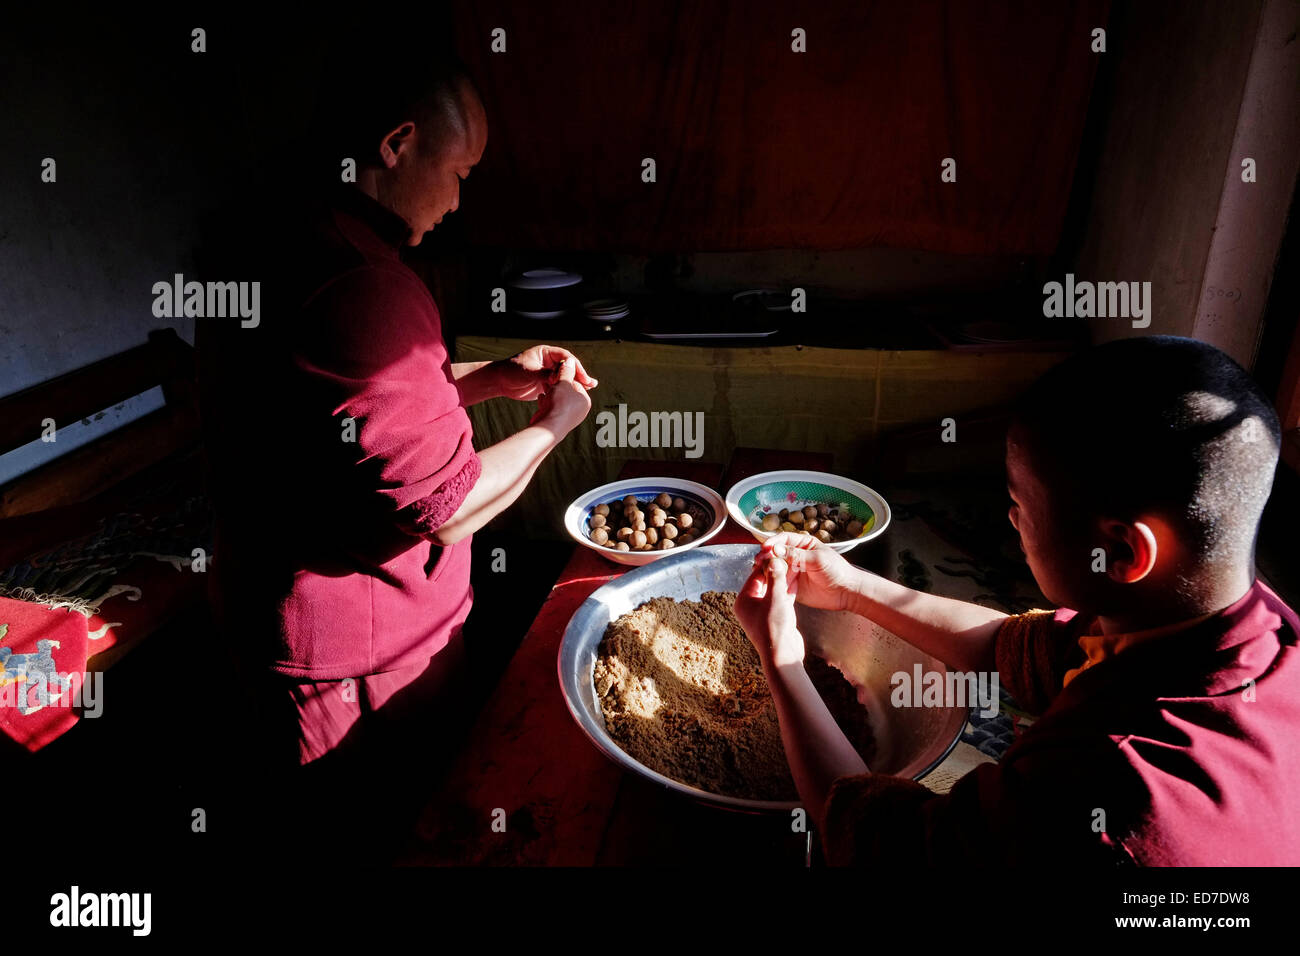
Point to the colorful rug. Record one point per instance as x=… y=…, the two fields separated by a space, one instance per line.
x=956 y=541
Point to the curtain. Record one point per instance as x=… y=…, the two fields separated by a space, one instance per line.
x=757 y=146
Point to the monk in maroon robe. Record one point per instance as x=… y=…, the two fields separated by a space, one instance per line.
x=345 y=480
x=1168 y=692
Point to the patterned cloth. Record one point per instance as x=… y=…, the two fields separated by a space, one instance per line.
x=105 y=589
x=166 y=523
x=42 y=668
x=956 y=541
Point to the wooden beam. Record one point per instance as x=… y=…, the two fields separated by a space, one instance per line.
x=1291 y=449
x=1251 y=217
x=86 y=471
x=164 y=360
x=1287 y=400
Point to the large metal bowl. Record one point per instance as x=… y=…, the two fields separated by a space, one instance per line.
x=911 y=741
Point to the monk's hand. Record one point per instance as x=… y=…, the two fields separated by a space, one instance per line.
x=564 y=404
x=821 y=575
x=526 y=377
x=765 y=607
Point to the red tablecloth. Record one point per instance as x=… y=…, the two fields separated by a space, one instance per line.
x=562 y=802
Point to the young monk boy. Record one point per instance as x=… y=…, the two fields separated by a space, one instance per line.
x=1168 y=683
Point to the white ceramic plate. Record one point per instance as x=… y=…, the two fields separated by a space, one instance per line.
x=545 y=279
x=753 y=497
x=576 y=515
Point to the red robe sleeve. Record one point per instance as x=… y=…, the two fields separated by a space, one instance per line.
x=1033 y=652
x=1039 y=806
x=1052 y=804
x=372 y=352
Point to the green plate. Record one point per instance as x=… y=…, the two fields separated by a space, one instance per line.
x=758 y=502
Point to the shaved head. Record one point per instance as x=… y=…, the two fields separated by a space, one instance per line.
x=408 y=116
x=374 y=82
x=1162 y=426
x=451 y=111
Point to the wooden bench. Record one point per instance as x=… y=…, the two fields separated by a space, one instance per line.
x=62 y=499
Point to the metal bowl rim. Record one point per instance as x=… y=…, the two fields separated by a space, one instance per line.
x=617 y=755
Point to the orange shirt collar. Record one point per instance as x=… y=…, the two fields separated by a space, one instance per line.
x=1099 y=647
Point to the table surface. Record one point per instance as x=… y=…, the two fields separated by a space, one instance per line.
x=530 y=789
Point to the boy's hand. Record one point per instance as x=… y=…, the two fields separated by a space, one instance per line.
x=824 y=577
x=765 y=607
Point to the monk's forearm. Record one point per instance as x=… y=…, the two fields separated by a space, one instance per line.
x=508 y=466
x=475 y=381
x=815 y=747
x=959 y=633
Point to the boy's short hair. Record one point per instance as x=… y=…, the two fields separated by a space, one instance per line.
x=1159 y=425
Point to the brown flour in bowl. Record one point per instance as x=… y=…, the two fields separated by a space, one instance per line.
x=682 y=691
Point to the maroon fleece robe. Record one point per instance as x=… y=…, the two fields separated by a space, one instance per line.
x=1180 y=750
x=337 y=445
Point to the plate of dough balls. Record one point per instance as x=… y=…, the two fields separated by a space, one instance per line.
x=839 y=512
x=641 y=520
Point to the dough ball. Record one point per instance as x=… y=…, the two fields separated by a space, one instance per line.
x=796 y=518
x=784 y=513
x=810 y=525
x=639 y=524
x=854 y=529
x=787 y=526
x=771 y=522
x=684 y=520
x=658 y=519
x=598 y=521
x=651 y=535
x=810 y=511
x=666 y=544
x=622 y=546
x=624 y=533
x=823 y=535
x=600 y=536
x=665 y=500
x=637 y=539
x=829 y=526
x=679 y=504
x=602 y=510
x=823 y=510
x=629 y=501
x=669 y=531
